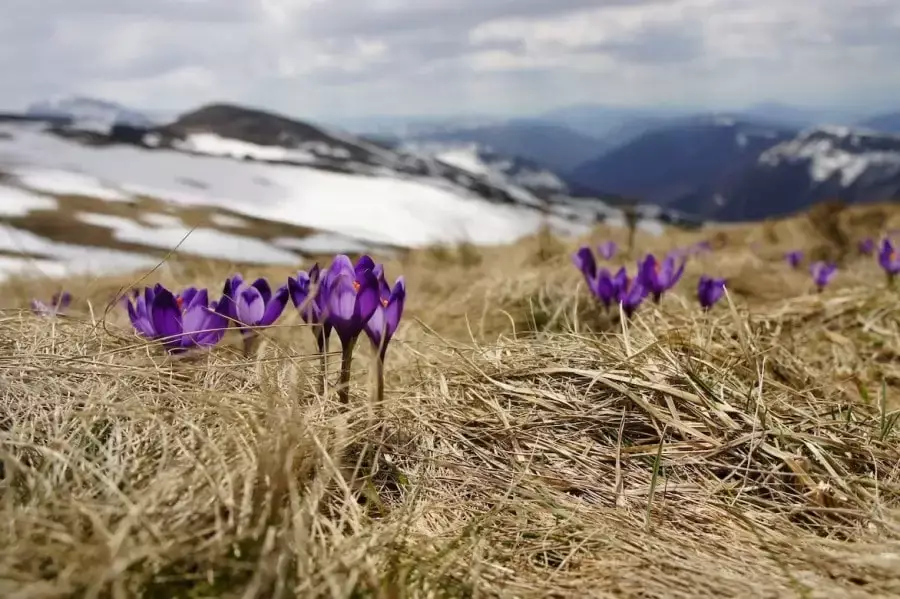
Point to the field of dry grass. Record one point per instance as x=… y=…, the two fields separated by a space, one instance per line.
x=526 y=447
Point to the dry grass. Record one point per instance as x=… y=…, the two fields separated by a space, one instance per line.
x=526 y=447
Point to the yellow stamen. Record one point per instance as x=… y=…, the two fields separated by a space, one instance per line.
x=356 y=286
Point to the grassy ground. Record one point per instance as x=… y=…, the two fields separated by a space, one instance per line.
x=527 y=446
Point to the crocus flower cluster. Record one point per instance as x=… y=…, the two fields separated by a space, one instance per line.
x=346 y=298
x=180 y=321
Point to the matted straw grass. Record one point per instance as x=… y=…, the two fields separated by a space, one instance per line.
x=526 y=448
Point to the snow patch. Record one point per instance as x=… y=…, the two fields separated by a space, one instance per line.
x=321 y=243
x=64 y=258
x=226 y=220
x=19 y=202
x=56 y=181
x=162 y=220
x=215 y=145
x=207 y=243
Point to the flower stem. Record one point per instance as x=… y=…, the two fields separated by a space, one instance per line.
x=322 y=341
x=378 y=391
x=251 y=342
x=346 y=362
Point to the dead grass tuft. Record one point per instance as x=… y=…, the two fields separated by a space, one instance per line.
x=528 y=445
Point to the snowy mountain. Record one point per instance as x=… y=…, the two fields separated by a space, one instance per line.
x=252 y=187
x=821 y=163
x=667 y=163
x=553 y=146
x=89 y=113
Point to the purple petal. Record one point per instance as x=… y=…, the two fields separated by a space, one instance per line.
x=275 y=307
x=249 y=305
x=166 y=316
x=264 y=290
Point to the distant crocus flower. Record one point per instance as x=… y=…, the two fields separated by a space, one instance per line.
x=631 y=293
x=794 y=258
x=252 y=305
x=605 y=288
x=381 y=327
x=709 y=291
x=181 y=322
x=607 y=250
x=309 y=297
x=822 y=273
x=59 y=303
x=658 y=278
x=585 y=262
x=888 y=259
x=866 y=246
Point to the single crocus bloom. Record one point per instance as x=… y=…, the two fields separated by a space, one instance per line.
x=866 y=246
x=709 y=291
x=888 y=259
x=584 y=261
x=381 y=327
x=822 y=273
x=252 y=305
x=607 y=250
x=631 y=293
x=794 y=258
x=180 y=322
x=352 y=298
x=308 y=294
x=658 y=278
x=59 y=303
x=605 y=288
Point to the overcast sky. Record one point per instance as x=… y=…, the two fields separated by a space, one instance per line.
x=338 y=58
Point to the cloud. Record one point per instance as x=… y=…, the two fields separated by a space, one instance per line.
x=334 y=58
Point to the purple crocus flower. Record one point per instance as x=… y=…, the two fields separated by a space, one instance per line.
x=888 y=259
x=630 y=293
x=709 y=291
x=794 y=258
x=181 y=322
x=605 y=287
x=351 y=298
x=866 y=246
x=59 y=303
x=381 y=327
x=822 y=273
x=658 y=279
x=252 y=305
x=308 y=295
x=607 y=250
x=584 y=261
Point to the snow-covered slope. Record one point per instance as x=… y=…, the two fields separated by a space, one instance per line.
x=853 y=165
x=70 y=206
x=89 y=113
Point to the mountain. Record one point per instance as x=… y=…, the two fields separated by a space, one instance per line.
x=667 y=163
x=818 y=164
x=89 y=112
x=600 y=120
x=553 y=146
x=884 y=123
x=251 y=187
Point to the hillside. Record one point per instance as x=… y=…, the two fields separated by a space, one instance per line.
x=666 y=163
x=819 y=164
x=556 y=147
x=527 y=445
x=885 y=123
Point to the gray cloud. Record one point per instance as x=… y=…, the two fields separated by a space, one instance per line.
x=341 y=57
